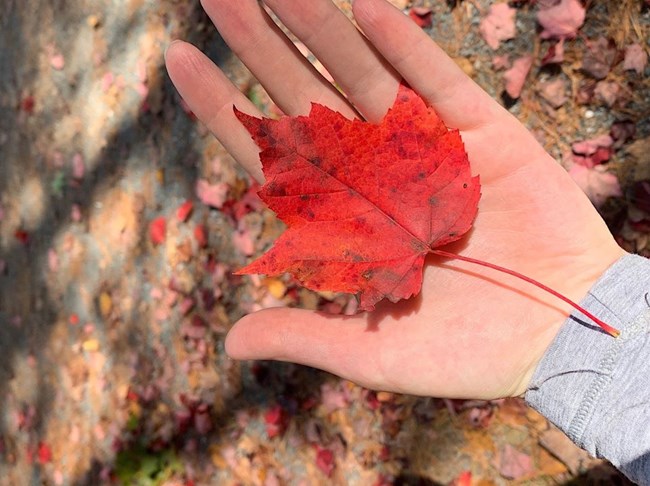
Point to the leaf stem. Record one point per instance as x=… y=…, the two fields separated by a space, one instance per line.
x=606 y=327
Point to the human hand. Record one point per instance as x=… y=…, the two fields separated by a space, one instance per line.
x=472 y=332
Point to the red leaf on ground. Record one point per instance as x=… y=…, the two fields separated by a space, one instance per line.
x=276 y=421
x=498 y=25
x=592 y=152
x=325 y=461
x=158 y=230
x=365 y=230
x=184 y=210
x=422 y=16
x=27 y=104
x=515 y=77
x=201 y=236
x=44 y=453
x=591 y=146
x=463 y=479
x=22 y=236
x=561 y=20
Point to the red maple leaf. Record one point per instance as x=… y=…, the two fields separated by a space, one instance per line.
x=364 y=203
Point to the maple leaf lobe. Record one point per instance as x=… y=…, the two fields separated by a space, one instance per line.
x=364 y=203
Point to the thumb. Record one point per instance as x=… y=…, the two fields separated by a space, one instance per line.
x=341 y=345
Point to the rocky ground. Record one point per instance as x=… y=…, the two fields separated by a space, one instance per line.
x=122 y=219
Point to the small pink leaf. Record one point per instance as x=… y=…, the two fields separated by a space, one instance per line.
x=213 y=195
x=635 y=58
x=515 y=77
x=498 y=25
x=561 y=20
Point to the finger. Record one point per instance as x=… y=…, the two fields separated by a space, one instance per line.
x=289 y=78
x=340 y=345
x=369 y=82
x=459 y=101
x=211 y=96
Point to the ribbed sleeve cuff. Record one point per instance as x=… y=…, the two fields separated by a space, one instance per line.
x=596 y=388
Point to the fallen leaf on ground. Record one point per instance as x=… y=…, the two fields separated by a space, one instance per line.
x=498 y=25
x=184 y=210
x=515 y=77
x=27 y=104
x=622 y=131
x=276 y=421
x=333 y=397
x=463 y=479
x=158 y=230
x=635 y=59
x=243 y=241
x=514 y=464
x=213 y=195
x=22 y=236
x=561 y=20
x=608 y=92
x=555 y=53
x=200 y=235
x=366 y=230
x=554 y=91
x=422 y=16
x=325 y=461
x=596 y=183
x=500 y=62
x=599 y=57
x=592 y=152
x=44 y=453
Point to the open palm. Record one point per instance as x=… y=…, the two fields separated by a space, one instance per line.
x=472 y=332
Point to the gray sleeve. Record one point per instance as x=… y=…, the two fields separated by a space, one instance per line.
x=596 y=388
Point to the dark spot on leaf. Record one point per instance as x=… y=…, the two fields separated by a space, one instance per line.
x=317 y=161
x=433 y=201
x=304 y=197
x=277 y=189
x=310 y=214
x=465 y=186
x=421 y=175
x=452 y=234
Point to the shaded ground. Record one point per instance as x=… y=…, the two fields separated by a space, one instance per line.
x=112 y=366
